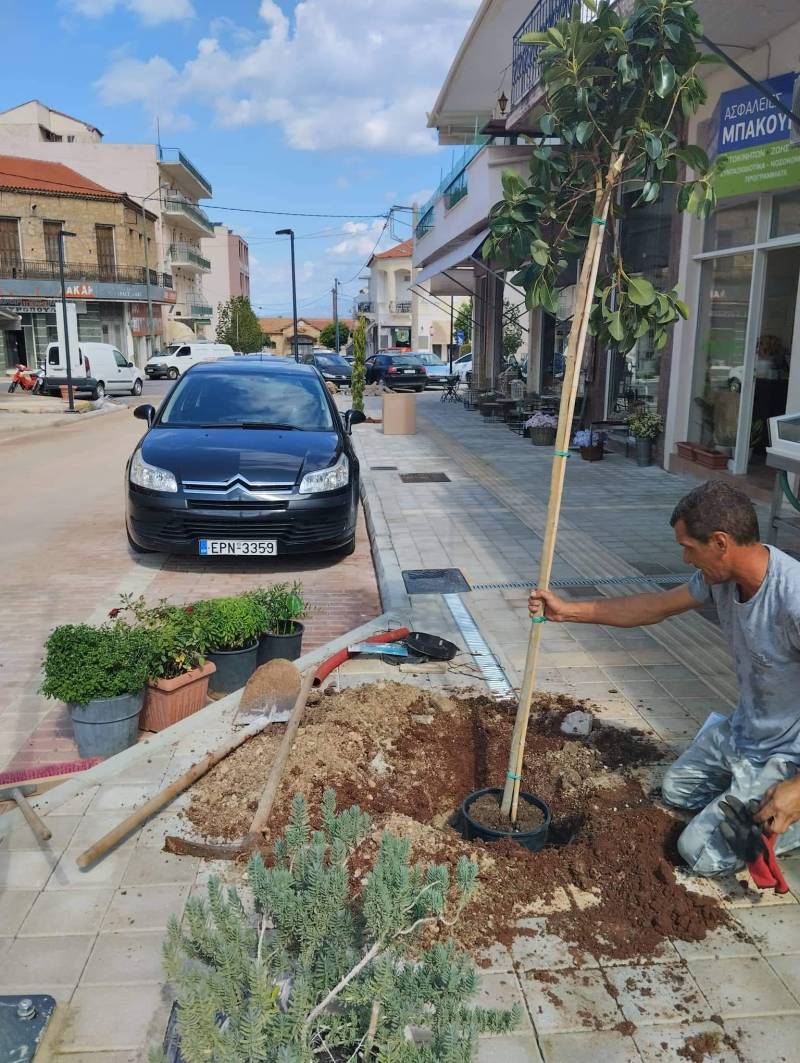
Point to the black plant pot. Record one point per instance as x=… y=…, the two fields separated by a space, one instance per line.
x=284 y=646
x=534 y=840
x=644 y=452
x=234 y=668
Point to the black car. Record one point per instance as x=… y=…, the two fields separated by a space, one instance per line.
x=245 y=457
x=396 y=371
x=333 y=367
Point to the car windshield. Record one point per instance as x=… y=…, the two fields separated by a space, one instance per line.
x=221 y=399
x=332 y=361
x=160 y=354
x=404 y=360
x=429 y=359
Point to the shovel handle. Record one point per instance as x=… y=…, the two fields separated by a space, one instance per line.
x=35 y=822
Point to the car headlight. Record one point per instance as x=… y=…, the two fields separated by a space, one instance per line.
x=330 y=479
x=151 y=477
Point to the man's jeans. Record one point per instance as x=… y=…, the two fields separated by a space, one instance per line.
x=710 y=769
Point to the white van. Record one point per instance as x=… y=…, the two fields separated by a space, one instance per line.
x=179 y=357
x=98 y=368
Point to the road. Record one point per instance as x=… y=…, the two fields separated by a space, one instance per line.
x=67 y=561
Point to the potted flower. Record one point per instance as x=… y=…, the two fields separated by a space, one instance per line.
x=231 y=628
x=282 y=607
x=542 y=429
x=100 y=672
x=179 y=683
x=589 y=443
x=644 y=427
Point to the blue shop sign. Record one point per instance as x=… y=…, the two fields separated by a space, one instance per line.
x=748 y=118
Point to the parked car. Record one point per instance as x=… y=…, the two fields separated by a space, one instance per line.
x=181 y=356
x=438 y=371
x=332 y=366
x=97 y=368
x=462 y=366
x=396 y=371
x=245 y=457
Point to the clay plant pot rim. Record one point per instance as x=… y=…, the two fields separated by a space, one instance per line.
x=241 y=649
x=530 y=798
x=178 y=681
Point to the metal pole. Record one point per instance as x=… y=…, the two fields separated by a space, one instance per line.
x=147 y=284
x=294 y=299
x=336 y=310
x=70 y=394
x=450 y=345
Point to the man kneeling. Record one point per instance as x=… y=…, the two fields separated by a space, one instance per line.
x=756 y=753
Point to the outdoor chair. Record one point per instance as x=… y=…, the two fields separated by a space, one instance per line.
x=450 y=389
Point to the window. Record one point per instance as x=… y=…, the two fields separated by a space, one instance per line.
x=10 y=257
x=52 y=232
x=120 y=359
x=437 y=350
x=733 y=226
x=104 y=236
x=786 y=214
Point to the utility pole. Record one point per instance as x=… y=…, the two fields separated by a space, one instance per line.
x=290 y=234
x=336 y=310
x=70 y=393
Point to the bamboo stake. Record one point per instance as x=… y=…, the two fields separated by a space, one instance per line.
x=569 y=391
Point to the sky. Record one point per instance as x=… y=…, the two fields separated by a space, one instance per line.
x=317 y=107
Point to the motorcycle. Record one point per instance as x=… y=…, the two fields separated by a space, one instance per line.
x=27 y=379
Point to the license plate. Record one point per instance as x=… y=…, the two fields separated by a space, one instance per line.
x=238 y=547
x=408 y=372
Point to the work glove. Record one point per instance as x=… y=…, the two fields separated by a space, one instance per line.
x=749 y=843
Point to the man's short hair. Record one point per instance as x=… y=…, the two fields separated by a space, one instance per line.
x=715 y=506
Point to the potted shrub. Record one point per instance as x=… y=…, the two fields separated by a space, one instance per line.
x=282 y=607
x=542 y=429
x=179 y=683
x=100 y=672
x=644 y=427
x=589 y=443
x=231 y=628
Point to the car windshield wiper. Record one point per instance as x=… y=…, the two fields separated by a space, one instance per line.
x=271 y=424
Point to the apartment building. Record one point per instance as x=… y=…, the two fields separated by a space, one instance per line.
x=160 y=180
x=229 y=257
x=105 y=271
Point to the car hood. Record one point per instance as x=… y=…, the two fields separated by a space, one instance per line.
x=256 y=456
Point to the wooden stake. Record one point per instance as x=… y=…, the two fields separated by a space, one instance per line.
x=569 y=391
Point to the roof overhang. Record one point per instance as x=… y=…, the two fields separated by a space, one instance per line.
x=740 y=25
x=458 y=262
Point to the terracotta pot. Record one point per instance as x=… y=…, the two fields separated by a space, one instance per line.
x=594 y=453
x=169 y=700
x=711 y=459
x=686 y=450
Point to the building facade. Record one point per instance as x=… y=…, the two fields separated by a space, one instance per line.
x=229 y=256
x=401 y=312
x=104 y=270
x=280 y=333
x=161 y=180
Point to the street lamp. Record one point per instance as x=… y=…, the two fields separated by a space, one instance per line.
x=70 y=394
x=290 y=234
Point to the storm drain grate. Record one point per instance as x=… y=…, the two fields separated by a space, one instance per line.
x=434 y=581
x=494 y=676
x=590 y=583
x=424 y=478
x=383 y=468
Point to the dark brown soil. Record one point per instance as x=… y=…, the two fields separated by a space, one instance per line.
x=486 y=810
x=606 y=884
x=699 y=1047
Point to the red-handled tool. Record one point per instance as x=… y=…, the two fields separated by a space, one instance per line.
x=333 y=662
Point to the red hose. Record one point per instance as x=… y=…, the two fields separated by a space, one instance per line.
x=341 y=656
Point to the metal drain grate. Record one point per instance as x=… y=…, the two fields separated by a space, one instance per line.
x=593 y=582
x=494 y=676
x=383 y=468
x=424 y=478
x=434 y=581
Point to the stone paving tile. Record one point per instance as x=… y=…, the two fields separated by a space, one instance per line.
x=725 y=942
x=26 y=869
x=98 y=1057
x=514 y=1048
x=502 y=990
x=774 y=1038
x=776 y=932
x=61 y=827
x=59 y=959
x=150 y=867
x=606 y=1045
x=662 y=993
x=112 y=1017
x=540 y=950
x=122 y=958
x=14 y=907
x=662 y=1043
x=144 y=908
x=67 y=912
x=107 y=872
x=742 y=986
x=563 y=1001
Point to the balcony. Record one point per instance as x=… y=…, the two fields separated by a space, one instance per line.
x=13 y=268
x=189 y=258
x=187 y=214
x=180 y=170
x=195 y=308
x=400 y=308
x=456 y=190
x=425 y=223
x=364 y=307
x=526 y=69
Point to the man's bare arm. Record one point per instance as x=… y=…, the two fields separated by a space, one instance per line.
x=636 y=610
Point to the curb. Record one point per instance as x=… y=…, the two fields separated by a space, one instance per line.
x=66 y=421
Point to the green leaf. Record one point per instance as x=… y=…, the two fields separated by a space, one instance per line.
x=615 y=329
x=653 y=145
x=682 y=309
x=540 y=252
x=664 y=77
x=673 y=31
x=642 y=328
x=547 y=124
x=534 y=38
x=555 y=35
x=694 y=156
x=641 y=292
x=683 y=197
x=583 y=131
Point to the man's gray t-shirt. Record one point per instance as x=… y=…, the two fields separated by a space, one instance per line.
x=764 y=638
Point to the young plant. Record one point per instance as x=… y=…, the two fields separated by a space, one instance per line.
x=281 y=606
x=541 y=420
x=645 y=425
x=617 y=92
x=83 y=663
x=323 y=971
x=588 y=437
x=178 y=635
x=229 y=623
x=358 y=372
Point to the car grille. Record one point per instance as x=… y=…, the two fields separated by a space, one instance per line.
x=296 y=531
x=233 y=506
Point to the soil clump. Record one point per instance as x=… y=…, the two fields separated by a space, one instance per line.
x=487 y=811
x=606 y=882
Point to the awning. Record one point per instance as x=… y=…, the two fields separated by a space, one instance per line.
x=455 y=257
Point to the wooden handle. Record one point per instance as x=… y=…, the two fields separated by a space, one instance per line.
x=264 y=809
x=163 y=797
x=35 y=822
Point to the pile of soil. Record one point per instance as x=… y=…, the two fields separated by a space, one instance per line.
x=606 y=883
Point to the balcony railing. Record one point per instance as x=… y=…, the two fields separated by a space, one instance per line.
x=526 y=69
x=400 y=308
x=172 y=155
x=180 y=207
x=364 y=307
x=187 y=256
x=425 y=223
x=468 y=153
x=456 y=190
x=13 y=268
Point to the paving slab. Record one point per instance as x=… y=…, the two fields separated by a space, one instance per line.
x=740 y=987
x=591 y=1047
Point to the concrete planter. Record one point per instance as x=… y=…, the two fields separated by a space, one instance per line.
x=105 y=726
x=168 y=700
x=644 y=452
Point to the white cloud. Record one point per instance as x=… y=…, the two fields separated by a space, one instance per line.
x=148 y=83
x=339 y=75
x=151 y=12
x=361 y=239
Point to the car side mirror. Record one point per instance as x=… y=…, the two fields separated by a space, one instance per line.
x=145 y=413
x=130 y=365
x=354 y=417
